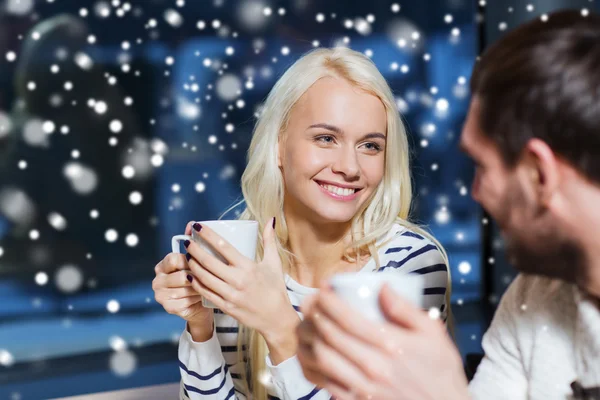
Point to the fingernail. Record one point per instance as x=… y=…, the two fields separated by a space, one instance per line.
x=186 y=243
x=188 y=256
x=189 y=277
x=197 y=227
x=274 y=219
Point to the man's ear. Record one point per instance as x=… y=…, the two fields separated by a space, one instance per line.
x=544 y=168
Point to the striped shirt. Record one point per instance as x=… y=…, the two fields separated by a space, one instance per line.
x=210 y=370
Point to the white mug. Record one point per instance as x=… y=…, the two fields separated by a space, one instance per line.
x=241 y=234
x=361 y=290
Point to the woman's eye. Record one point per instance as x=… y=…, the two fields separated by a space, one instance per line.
x=374 y=146
x=322 y=139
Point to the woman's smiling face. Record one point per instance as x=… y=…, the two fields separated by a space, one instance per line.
x=332 y=153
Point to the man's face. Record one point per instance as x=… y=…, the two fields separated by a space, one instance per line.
x=535 y=242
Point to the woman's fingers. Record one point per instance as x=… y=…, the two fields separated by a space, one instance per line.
x=181 y=293
x=173 y=280
x=171 y=263
x=179 y=306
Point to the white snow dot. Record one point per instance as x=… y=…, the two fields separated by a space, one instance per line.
x=94 y=214
x=22 y=164
x=585 y=12
x=57 y=221
x=212 y=139
x=320 y=17
x=448 y=18
x=395 y=7
x=201 y=24
x=34 y=234
x=115 y=126
x=111 y=235
x=48 y=127
x=135 y=198
x=11 y=56
x=464 y=267
x=117 y=343
x=6 y=359
x=156 y=160
x=41 y=278
x=442 y=104
x=123 y=363
x=200 y=187
x=229 y=128
x=169 y=60
x=175 y=188
x=113 y=306
x=128 y=101
x=285 y=50
x=68 y=278
x=128 y=172
x=100 y=107
x=68 y=85
x=434 y=313
x=131 y=240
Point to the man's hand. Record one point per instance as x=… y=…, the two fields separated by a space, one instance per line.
x=409 y=357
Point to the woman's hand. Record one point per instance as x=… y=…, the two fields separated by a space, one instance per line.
x=410 y=357
x=253 y=293
x=173 y=289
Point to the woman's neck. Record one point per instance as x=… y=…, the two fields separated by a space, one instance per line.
x=319 y=251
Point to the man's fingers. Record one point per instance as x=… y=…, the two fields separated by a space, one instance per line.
x=307 y=305
x=171 y=263
x=401 y=312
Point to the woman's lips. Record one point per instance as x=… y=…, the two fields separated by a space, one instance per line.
x=337 y=196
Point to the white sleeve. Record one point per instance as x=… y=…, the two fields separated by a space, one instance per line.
x=289 y=382
x=204 y=372
x=501 y=374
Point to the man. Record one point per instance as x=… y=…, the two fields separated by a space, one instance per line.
x=533 y=130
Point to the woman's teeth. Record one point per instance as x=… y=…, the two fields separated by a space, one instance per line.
x=337 y=190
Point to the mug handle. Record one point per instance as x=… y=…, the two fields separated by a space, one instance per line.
x=175 y=242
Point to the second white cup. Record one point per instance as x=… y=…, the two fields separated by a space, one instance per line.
x=361 y=290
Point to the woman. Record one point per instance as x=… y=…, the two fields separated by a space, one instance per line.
x=328 y=180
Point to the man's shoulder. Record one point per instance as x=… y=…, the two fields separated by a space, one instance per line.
x=535 y=295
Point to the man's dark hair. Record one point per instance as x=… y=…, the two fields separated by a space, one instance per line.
x=542 y=80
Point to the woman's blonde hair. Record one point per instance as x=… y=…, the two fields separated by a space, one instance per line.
x=263 y=185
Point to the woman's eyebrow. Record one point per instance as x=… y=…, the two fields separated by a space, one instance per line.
x=333 y=128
